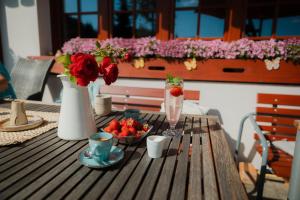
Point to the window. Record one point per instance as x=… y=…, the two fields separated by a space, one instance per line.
x=169 y=19
x=134 y=18
x=288 y=20
x=200 y=18
x=272 y=18
x=80 y=18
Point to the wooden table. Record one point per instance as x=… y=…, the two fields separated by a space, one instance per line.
x=197 y=165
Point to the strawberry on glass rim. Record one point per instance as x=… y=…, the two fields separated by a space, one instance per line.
x=175 y=83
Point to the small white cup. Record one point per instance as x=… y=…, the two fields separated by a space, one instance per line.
x=155 y=145
x=102 y=104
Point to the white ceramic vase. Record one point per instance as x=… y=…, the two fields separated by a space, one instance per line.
x=76 y=119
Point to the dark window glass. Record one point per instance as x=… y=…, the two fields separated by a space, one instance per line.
x=123 y=5
x=259 y=21
x=89 y=26
x=252 y=2
x=288 y=21
x=70 y=27
x=145 y=4
x=70 y=6
x=212 y=3
x=122 y=25
x=89 y=5
x=186 y=3
x=212 y=23
x=134 y=18
x=186 y=24
x=145 y=24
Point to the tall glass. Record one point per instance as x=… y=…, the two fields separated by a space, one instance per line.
x=173 y=106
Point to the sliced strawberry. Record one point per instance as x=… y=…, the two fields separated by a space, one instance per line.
x=176 y=91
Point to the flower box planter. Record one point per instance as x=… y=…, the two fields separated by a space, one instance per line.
x=221 y=70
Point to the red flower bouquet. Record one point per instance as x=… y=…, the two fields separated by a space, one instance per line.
x=83 y=68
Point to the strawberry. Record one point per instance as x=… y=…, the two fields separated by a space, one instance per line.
x=176 y=91
x=123 y=122
x=108 y=129
x=132 y=130
x=131 y=123
x=124 y=133
x=127 y=57
x=115 y=132
x=124 y=128
x=114 y=124
x=145 y=127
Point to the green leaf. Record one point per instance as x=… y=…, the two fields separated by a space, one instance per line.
x=98 y=44
x=176 y=80
x=61 y=59
x=98 y=58
x=72 y=79
x=67 y=59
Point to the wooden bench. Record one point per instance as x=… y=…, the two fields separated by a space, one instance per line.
x=150 y=99
x=276 y=121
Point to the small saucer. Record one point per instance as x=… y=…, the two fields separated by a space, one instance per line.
x=33 y=122
x=116 y=155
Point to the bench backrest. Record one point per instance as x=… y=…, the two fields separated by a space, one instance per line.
x=277 y=115
x=124 y=97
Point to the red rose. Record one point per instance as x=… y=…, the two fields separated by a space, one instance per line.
x=84 y=67
x=127 y=57
x=105 y=63
x=111 y=73
x=82 y=82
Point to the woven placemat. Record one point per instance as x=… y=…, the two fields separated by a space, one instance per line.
x=7 y=138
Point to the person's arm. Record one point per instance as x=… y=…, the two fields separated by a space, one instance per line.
x=3 y=83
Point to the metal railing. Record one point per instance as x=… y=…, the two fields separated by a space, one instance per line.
x=263 y=142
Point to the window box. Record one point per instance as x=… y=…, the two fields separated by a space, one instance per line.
x=220 y=70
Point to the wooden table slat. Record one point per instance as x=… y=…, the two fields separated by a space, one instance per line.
x=148 y=184
x=39 y=139
x=18 y=169
x=209 y=178
x=229 y=182
x=195 y=183
x=22 y=156
x=164 y=183
x=179 y=186
x=48 y=176
x=32 y=172
x=57 y=181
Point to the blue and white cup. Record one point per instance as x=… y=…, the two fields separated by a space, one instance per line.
x=100 y=146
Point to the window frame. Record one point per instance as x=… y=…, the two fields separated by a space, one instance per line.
x=276 y=4
x=234 y=27
x=1 y=52
x=134 y=13
x=199 y=8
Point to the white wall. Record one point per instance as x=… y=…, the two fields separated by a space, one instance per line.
x=229 y=101
x=20 y=22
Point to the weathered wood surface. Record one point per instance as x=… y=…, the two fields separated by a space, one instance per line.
x=197 y=165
